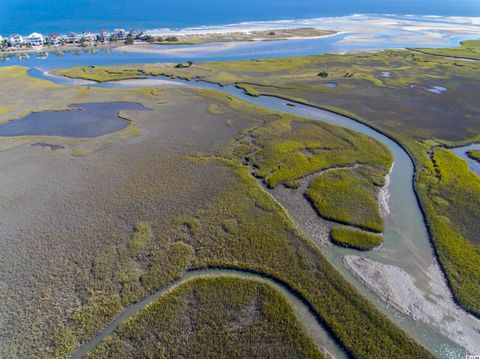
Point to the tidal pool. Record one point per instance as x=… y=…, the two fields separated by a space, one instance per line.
x=81 y=121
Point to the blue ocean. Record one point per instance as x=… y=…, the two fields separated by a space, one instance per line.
x=47 y=16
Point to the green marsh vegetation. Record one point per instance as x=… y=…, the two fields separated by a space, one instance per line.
x=213 y=317
x=173 y=207
x=474 y=155
x=346 y=196
x=389 y=90
x=450 y=193
x=467 y=49
x=355 y=238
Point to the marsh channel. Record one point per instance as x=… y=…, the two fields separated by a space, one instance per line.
x=402 y=277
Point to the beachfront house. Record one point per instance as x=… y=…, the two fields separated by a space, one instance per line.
x=72 y=38
x=35 y=39
x=103 y=36
x=87 y=37
x=120 y=34
x=15 y=40
x=53 y=39
x=135 y=34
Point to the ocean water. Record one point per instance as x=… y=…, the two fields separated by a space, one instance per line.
x=46 y=16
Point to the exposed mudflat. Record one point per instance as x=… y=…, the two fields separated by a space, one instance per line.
x=398 y=288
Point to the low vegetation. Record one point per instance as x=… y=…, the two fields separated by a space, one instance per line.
x=137 y=215
x=213 y=317
x=355 y=238
x=467 y=49
x=346 y=196
x=474 y=155
x=349 y=167
x=450 y=193
x=100 y=74
x=390 y=91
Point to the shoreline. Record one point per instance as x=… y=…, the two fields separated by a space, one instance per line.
x=224 y=39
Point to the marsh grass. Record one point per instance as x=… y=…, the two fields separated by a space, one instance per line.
x=346 y=196
x=350 y=167
x=450 y=193
x=355 y=238
x=467 y=49
x=213 y=317
x=399 y=106
x=474 y=155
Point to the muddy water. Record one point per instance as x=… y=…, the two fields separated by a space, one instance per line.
x=304 y=314
x=402 y=277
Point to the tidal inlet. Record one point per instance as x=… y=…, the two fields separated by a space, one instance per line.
x=253 y=179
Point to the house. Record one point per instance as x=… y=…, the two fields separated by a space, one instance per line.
x=15 y=40
x=120 y=34
x=53 y=39
x=35 y=39
x=103 y=36
x=87 y=37
x=135 y=34
x=72 y=38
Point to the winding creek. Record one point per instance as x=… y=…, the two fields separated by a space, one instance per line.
x=402 y=277
x=306 y=316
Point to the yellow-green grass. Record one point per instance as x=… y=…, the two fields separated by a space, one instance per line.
x=101 y=74
x=264 y=239
x=355 y=238
x=222 y=317
x=284 y=151
x=474 y=155
x=398 y=105
x=346 y=196
x=467 y=49
x=450 y=193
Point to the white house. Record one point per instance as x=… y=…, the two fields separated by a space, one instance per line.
x=88 y=37
x=73 y=37
x=120 y=34
x=103 y=36
x=53 y=39
x=135 y=33
x=15 y=40
x=35 y=39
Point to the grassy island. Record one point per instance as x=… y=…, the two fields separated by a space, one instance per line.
x=354 y=238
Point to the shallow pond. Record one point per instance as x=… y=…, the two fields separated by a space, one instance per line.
x=330 y=84
x=81 y=121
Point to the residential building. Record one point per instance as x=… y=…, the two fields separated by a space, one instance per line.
x=120 y=34
x=53 y=39
x=103 y=36
x=15 y=40
x=35 y=39
x=135 y=33
x=72 y=38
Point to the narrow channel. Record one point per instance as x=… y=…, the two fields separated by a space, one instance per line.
x=430 y=314
x=305 y=315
